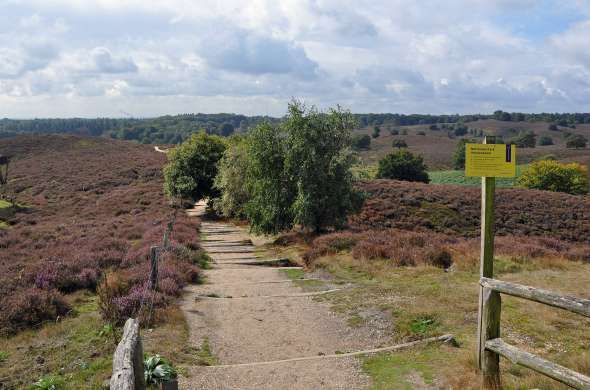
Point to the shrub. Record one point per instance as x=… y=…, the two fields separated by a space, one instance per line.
x=525 y=140
x=545 y=140
x=399 y=143
x=554 y=176
x=361 y=142
x=403 y=165
x=192 y=166
x=553 y=127
x=33 y=306
x=376 y=132
x=231 y=180
x=439 y=257
x=459 y=154
x=576 y=142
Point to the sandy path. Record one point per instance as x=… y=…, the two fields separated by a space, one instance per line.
x=238 y=312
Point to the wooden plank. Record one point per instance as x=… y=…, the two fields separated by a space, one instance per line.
x=573 y=304
x=486 y=263
x=534 y=362
x=490 y=361
x=128 y=360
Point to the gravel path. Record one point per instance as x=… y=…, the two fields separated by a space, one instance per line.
x=274 y=322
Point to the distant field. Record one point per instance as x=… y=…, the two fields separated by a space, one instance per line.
x=458 y=177
x=437 y=147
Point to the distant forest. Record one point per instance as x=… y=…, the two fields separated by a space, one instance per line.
x=174 y=129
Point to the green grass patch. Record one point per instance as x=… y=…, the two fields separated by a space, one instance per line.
x=4 y=204
x=458 y=177
x=205 y=355
x=293 y=274
x=3 y=356
x=402 y=370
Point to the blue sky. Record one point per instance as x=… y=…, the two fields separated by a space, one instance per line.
x=109 y=57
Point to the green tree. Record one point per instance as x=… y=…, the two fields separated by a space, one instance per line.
x=271 y=189
x=361 y=142
x=526 y=139
x=555 y=176
x=403 y=165
x=192 y=166
x=399 y=143
x=376 y=132
x=319 y=160
x=226 y=129
x=545 y=140
x=231 y=180
x=576 y=142
x=459 y=154
x=300 y=172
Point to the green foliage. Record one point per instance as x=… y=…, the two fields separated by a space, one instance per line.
x=545 y=140
x=157 y=370
x=319 y=159
x=555 y=176
x=3 y=356
x=192 y=166
x=50 y=382
x=269 y=185
x=399 y=143
x=361 y=142
x=576 y=142
x=300 y=172
x=231 y=179
x=459 y=154
x=526 y=139
x=403 y=165
x=460 y=130
x=376 y=132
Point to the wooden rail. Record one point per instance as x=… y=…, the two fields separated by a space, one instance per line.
x=573 y=304
x=545 y=367
x=491 y=346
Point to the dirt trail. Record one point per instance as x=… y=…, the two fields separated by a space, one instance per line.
x=251 y=314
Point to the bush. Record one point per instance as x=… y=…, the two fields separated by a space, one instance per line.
x=376 y=132
x=361 y=142
x=33 y=306
x=554 y=176
x=576 y=142
x=459 y=154
x=192 y=166
x=439 y=257
x=403 y=165
x=399 y=143
x=545 y=140
x=525 y=140
x=231 y=180
x=553 y=127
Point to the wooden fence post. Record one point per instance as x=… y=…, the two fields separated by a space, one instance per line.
x=490 y=361
x=154 y=255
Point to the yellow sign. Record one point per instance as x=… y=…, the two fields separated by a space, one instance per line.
x=490 y=160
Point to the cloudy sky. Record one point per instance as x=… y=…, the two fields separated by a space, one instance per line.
x=146 y=58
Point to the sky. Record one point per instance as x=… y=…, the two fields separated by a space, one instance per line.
x=142 y=58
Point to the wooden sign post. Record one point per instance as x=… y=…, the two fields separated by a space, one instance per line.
x=489 y=161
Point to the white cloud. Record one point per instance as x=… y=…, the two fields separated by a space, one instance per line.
x=253 y=56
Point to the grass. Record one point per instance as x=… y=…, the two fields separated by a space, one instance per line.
x=205 y=355
x=424 y=302
x=4 y=204
x=458 y=177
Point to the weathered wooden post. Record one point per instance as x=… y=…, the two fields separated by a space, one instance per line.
x=154 y=255
x=488 y=162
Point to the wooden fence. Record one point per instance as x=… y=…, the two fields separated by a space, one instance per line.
x=128 y=360
x=491 y=346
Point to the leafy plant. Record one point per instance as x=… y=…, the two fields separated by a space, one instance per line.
x=403 y=165
x=51 y=382
x=157 y=370
x=555 y=176
x=3 y=356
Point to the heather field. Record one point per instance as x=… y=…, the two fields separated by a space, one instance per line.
x=88 y=211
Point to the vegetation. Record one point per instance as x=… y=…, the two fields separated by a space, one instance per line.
x=157 y=370
x=231 y=179
x=361 y=142
x=527 y=139
x=399 y=143
x=555 y=176
x=459 y=154
x=192 y=167
x=300 y=172
x=403 y=165
x=545 y=140
x=576 y=141
x=376 y=132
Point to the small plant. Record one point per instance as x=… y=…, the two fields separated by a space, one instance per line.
x=157 y=370
x=3 y=356
x=422 y=325
x=51 y=382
